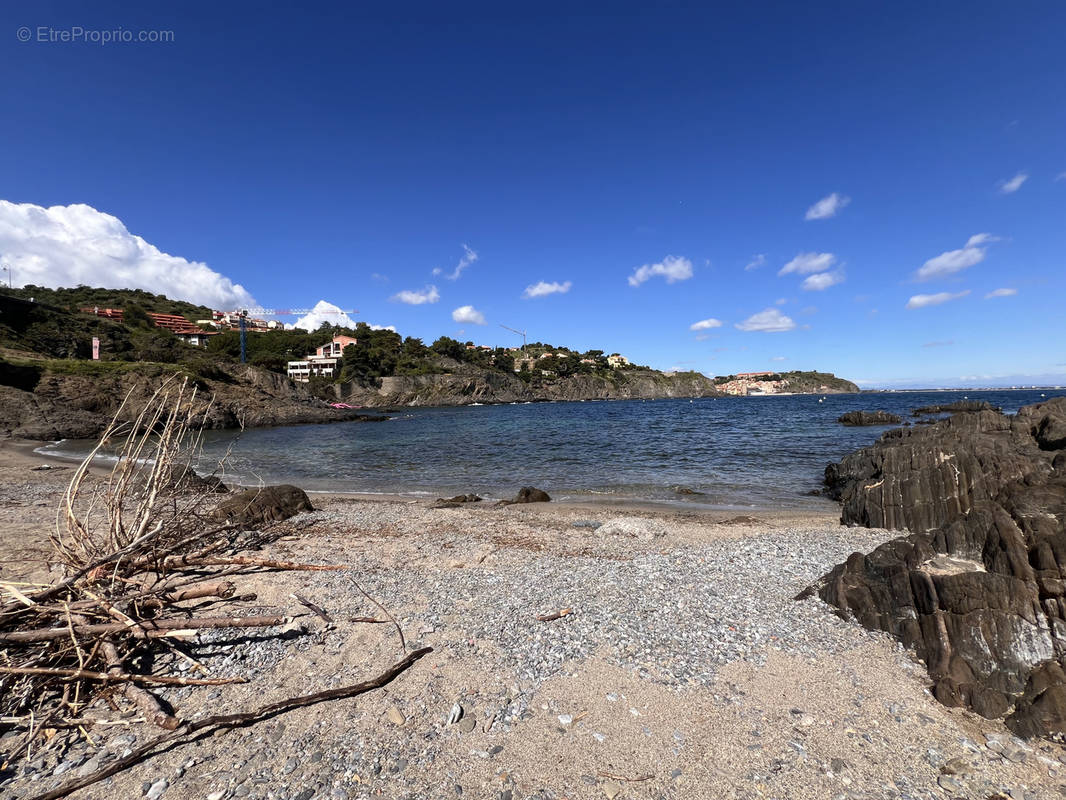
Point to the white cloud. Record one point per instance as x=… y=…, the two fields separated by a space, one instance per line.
x=1014 y=184
x=923 y=300
x=673 y=268
x=778 y=358
x=952 y=261
x=806 y=263
x=827 y=207
x=705 y=324
x=769 y=321
x=468 y=314
x=416 y=298
x=780 y=301
x=1001 y=293
x=374 y=327
x=323 y=312
x=757 y=261
x=76 y=244
x=469 y=257
x=543 y=289
x=822 y=280
x=1061 y=176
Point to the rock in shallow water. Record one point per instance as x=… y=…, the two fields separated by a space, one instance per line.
x=860 y=418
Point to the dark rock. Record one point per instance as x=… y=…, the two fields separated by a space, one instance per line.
x=185 y=480
x=455 y=502
x=961 y=406
x=268 y=504
x=978 y=588
x=527 y=494
x=861 y=418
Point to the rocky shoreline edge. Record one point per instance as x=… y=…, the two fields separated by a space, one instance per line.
x=978 y=588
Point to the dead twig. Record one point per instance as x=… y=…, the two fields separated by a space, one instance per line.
x=119 y=677
x=228 y=721
x=145 y=628
x=563 y=612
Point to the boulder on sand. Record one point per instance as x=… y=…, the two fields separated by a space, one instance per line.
x=267 y=504
x=862 y=418
x=527 y=494
x=455 y=502
x=978 y=588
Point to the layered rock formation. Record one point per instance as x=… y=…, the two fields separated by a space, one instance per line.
x=860 y=418
x=485 y=386
x=61 y=406
x=978 y=588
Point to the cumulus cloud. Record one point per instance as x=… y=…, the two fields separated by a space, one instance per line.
x=323 y=312
x=374 y=327
x=413 y=297
x=778 y=358
x=543 y=289
x=1014 y=184
x=952 y=261
x=806 y=263
x=923 y=300
x=705 y=324
x=468 y=314
x=76 y=244
x=827 y=207
x=1001 y=293
x=769 y=321
x=757 y=261
x=822 y=280
x=469 y=257
x=673 y=268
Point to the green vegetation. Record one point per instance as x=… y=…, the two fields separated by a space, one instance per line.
x=89 y=297
x=52 y=327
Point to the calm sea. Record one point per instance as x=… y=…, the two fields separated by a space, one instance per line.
x=743 y=452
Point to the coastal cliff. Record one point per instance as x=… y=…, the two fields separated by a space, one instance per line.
x=485 y=386
x=42 y=401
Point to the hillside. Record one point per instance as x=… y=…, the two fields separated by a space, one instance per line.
x=49 y=387
x=794 y=382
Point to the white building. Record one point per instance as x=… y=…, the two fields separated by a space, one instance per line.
x=324 y=361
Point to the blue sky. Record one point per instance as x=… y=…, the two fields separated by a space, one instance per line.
x=345 y=154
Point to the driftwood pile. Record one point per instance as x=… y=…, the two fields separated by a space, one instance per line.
x=146 y=566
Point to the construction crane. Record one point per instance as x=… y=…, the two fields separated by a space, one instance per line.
x=520 y=333
x=243 y=313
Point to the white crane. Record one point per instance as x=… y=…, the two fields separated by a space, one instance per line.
x=520 y=333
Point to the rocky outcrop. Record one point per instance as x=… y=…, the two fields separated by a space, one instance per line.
x=959 y=406
x=260 y=506
x=978 y=588
x=861 y=418
x=79 y=406
x=468 y=386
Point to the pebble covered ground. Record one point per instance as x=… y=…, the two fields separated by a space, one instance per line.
x=682 y=668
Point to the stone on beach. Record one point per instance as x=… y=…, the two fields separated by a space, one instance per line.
x=267 y=504
x=527 y=494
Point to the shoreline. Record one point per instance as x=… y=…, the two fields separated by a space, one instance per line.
x=26 y=452
x=681 y=630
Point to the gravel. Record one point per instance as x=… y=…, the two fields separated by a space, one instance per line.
x=677 y=617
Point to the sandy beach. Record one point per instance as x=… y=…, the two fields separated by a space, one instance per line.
x=684 y=668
